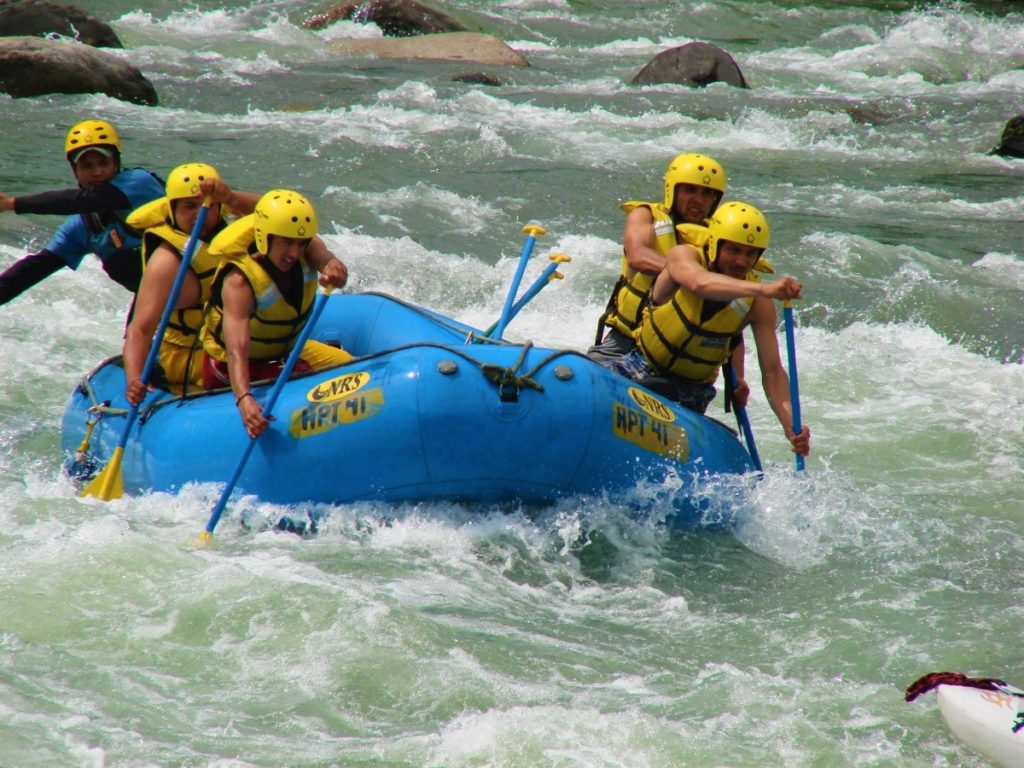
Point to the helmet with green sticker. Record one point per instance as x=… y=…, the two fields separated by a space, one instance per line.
x=693 y=168
x=184 y=180
x=737 y=222
x=286 y=213
x=98 y=135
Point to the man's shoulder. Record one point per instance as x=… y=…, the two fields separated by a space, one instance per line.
x=690 y=253
x=137 y=176
x=643 y=206
x=136 y=170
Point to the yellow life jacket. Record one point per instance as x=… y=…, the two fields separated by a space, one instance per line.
x=156 y=219
x=623 y=311
x=275 y=323
x=676 y=340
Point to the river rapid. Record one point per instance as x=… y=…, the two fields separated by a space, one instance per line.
x=579 y=635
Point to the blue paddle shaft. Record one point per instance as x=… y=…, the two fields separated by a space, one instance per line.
x=282 y=379
x=165 y=318
x=794 y=381
x=506 y=312
x=533 y=290
x=743 y=420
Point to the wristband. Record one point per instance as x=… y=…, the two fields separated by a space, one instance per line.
x=242 y=397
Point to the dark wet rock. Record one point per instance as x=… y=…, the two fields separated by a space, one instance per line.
x=477 y=78
x=875 y=113
x=38 y=18
x=692 y=64
x=396 y=18
x=31 y=66
x=330 y=15
x=1011 y=143
x=450 y=46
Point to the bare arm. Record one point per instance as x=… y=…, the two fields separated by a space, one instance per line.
x=239 y=305
x=683 y=268
x=638 y=242
x=332 y=270
x=773 y=375
x=154 y=292
x=240 y=203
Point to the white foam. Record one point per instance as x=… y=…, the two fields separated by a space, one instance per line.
x=462 y=214
x=1004 y=268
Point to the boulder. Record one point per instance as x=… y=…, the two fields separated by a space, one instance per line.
x=450 y=46
x=692 y=64
x=31 y=66
x=1011 y=143
x=476 y=78
x=39 y=18
x=328 y=16
x=396 y=18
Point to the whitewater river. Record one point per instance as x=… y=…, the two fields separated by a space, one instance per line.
x=439 y=635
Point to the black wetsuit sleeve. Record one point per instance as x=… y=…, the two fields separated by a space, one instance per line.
x=26 y=272
x=66 y=202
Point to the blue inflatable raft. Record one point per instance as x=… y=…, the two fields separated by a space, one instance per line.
x=428 y=410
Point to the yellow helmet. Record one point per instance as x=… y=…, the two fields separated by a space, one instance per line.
x=91 y=134
x=285 y=213
x=692 y=168
x=184 y=180
x=739 y=223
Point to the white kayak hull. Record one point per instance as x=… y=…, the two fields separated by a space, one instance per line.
x=986 y=721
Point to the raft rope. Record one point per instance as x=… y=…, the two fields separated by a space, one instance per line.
x=506 y=378
x=500 y=376
x=93 y=415
x=83 y=447
x=85 y=385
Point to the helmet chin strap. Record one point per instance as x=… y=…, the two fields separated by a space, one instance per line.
x=173 y=205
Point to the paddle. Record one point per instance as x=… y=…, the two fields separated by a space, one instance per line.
x=545 y=277
x=109 y=483
x=794 y=384
x=532 y=231
x=741 y=418
x=282 y=379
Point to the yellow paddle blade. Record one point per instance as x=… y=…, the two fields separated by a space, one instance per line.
x=202 y=541
x=108 y=484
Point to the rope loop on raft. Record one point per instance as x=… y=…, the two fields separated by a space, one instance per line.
x=90 y=425
x=82 y=465
x=97 y=407
x=509 y=384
